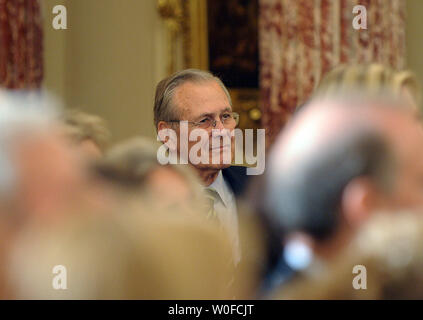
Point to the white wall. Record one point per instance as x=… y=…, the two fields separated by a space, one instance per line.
x=108 y=61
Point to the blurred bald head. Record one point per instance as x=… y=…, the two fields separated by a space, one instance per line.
x=332 y=118
x=342 y=157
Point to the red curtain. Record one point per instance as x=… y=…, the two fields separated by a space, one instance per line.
x=21 y=61
x=300 y=40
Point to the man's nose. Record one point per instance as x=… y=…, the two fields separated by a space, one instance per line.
x=219 y=125
x=220 y=132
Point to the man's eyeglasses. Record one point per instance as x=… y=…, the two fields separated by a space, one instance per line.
x=228 y=120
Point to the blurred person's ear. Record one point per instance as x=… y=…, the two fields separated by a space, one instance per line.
x=360 y=198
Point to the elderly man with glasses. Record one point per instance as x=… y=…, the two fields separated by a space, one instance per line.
x=199 y=100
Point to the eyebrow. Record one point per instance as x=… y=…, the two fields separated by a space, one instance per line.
x=208 y=114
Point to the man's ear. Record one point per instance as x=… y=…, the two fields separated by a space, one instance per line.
x=160 y=126
x=167 y=135
x=359 y=200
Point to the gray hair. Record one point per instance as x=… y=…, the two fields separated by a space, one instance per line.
x=81 y=126
x=164 y=106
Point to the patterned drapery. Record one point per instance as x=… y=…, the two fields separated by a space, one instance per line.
x=21 y=62
x=300 y=40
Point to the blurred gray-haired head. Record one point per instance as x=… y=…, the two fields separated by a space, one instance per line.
x=21 y=114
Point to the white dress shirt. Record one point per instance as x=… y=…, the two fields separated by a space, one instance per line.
x=226 y=211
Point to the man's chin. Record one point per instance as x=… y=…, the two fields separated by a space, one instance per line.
x=212 y=166
x=218 y=159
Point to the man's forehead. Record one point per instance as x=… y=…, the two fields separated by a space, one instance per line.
x=201 y=97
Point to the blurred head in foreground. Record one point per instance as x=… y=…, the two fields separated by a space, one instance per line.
x=373 y=79
x=133 y=168
x=389 y=253
x=41 y=178
x=133 y=165
x=339 y=160
x=127 y=256
x=40 y=175
x=86 y=131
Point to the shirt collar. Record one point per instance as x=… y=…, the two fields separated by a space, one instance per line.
x=219 y=186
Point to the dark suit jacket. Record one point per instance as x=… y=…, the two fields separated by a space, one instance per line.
x=236 y=177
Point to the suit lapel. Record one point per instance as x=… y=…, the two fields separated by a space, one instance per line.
x=236 y=177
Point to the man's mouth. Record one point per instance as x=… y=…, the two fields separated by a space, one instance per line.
x=221 y=147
